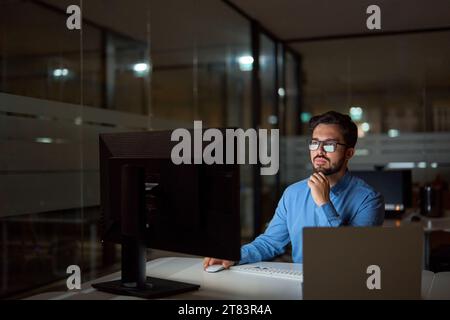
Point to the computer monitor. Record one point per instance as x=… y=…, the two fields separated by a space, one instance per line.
x=149 y=202
x=394 y=185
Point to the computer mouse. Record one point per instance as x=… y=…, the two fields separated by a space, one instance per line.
x=214 y=268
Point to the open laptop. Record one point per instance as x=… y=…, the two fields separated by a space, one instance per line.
x=362 y=263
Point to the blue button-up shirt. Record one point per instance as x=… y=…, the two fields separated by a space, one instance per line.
x=352 y=202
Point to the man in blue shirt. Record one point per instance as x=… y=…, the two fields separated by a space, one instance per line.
x=330 y=197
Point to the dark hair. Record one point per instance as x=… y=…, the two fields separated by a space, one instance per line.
x=348 y=127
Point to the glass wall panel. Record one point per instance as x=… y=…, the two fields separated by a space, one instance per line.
x=140 y=65
x=198 y=73
x=269 y=120
x=41 y=215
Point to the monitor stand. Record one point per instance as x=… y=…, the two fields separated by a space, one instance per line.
x=134 y=281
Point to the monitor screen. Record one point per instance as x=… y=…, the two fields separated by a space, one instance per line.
x=394 y=185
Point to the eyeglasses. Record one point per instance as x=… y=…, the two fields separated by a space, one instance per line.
x=328 y=146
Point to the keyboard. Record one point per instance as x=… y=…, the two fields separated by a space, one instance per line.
x=272 y=269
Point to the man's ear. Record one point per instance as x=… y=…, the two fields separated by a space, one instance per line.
x=349 y=153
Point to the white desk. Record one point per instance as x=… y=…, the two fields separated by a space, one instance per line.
x=228 y=284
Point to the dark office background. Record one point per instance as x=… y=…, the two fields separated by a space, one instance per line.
x=160 y=64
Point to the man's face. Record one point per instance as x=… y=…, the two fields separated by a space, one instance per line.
x=328 y=162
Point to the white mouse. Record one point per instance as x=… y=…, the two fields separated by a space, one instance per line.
x=214 y=268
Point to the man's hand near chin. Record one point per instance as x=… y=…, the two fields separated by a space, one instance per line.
x=320 y=188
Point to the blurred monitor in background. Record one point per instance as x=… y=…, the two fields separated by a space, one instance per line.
x=394 y=185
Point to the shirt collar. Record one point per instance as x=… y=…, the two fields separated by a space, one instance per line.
x=341 y=184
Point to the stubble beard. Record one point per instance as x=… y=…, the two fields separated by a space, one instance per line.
x=334 y=168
